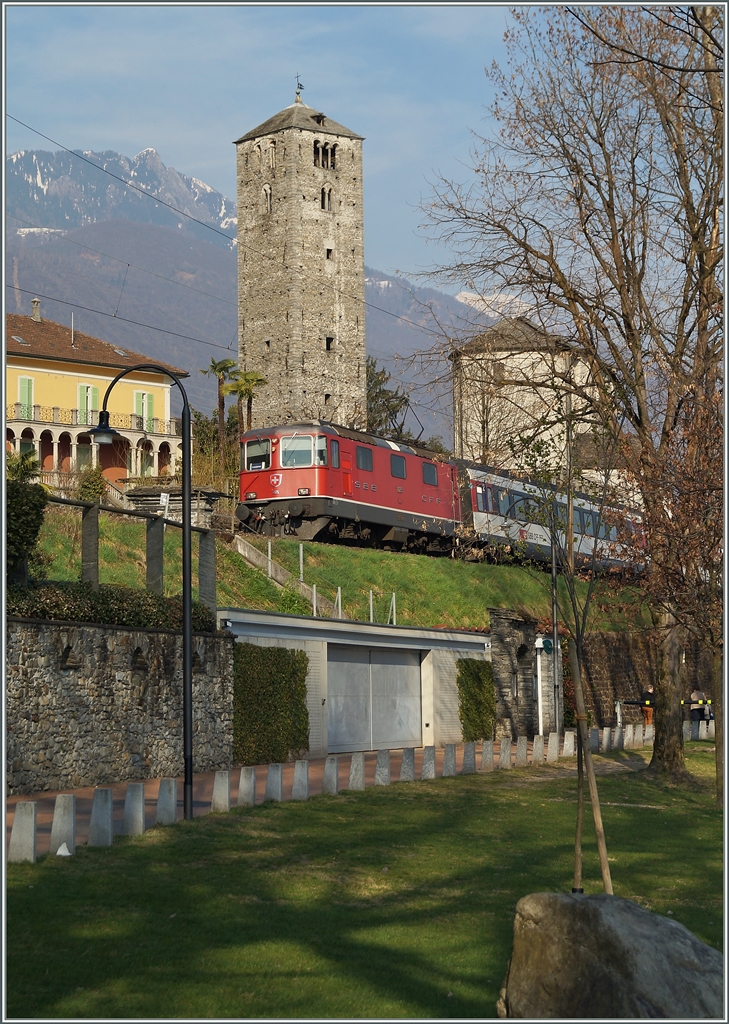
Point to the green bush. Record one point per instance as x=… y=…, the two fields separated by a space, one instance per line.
x=92 y=485
x=24 y=510
x=270 y=717
x=291 y=602
x=476 y=699
x=109 y=605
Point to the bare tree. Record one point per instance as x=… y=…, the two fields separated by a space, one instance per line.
x=599 y=202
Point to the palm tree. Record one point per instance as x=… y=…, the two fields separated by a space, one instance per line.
x=222 y=370
x=22 y=466
x=244 y=384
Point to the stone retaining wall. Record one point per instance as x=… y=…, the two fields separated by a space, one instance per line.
x=90 y=705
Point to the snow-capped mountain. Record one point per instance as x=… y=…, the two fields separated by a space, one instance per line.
x=64 y=191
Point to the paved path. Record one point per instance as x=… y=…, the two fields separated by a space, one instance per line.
x=203 y=792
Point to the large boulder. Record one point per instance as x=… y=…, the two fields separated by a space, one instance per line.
x=579 y=956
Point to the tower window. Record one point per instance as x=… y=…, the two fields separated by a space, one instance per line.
x=268 y=343
x=325 y=156
x=327 y=399
x=267 y=199
x=317 y=158
x=333 y=158
x=329 y=253
x=329 y=344
x=326 y=199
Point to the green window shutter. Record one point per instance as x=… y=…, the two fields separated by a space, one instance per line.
x=138 y=403
x=150 y=411
x=26 y=394
x=82 y=403
x=94 y=398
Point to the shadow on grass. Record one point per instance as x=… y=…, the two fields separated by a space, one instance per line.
x=393 y=902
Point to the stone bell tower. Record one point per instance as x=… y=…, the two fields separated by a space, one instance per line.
x=301 y=288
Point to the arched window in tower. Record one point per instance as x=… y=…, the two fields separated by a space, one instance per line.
x=325 y=156
x=259 y=156
x=272 y=155
x=317 y=158
x=329 y=200
x=267 y=199
x=323 y=199
x=333 y=158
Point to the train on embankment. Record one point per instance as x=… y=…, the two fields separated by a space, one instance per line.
x=319 y=481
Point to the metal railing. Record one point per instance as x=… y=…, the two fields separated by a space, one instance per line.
x=83 y=417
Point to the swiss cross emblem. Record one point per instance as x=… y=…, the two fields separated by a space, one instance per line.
x=275 y=479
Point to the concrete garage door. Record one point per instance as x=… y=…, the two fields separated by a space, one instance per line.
x=373 y=698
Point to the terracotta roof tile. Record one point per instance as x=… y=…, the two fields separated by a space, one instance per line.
x=49 y=340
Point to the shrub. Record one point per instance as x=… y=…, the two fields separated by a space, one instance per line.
x=24 y=510
x=476 y=699
x=291 y=602
x=92 y=485
x=109 y=605
x=270 y=717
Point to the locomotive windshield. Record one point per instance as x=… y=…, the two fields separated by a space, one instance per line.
x=258 y=454
x=297 y=450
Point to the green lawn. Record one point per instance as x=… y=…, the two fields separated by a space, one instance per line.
x=395 y=902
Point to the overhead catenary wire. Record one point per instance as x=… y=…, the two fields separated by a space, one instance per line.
x=217 y=231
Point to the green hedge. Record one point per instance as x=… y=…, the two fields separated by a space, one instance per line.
x=476 y=699
x=270 y=717
x=24 y=510
x=109 y=605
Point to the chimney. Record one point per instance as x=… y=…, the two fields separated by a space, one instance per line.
x=35 y=315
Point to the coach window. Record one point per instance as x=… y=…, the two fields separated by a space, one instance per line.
x=364 y=459
x=334 y=448
x=258 y=454
x=321 y=450
x=430 y=475
x=397 y=466
x=588 y=523
x=480 y=503
x=296 y=450
x=505 y=500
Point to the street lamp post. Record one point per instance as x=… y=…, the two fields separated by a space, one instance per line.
x=104 y=434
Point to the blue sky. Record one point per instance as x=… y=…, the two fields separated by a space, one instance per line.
x=188 y=80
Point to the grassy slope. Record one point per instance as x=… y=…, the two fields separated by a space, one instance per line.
x=430 y=591
x=395 y=902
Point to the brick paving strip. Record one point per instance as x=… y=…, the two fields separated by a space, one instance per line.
x=203 y=788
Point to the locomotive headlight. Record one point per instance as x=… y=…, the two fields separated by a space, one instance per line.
x=303 y=491
x=250 y=495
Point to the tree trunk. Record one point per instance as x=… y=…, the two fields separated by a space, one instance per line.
x=249 y=413
x=668 y=743
x=221 y=424
x=717 y=702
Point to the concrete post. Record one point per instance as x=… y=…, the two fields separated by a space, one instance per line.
x=605 y=741
x=650 y=735
x=568 y=750
x=155 y=555
x=206 y=570
x=356 y=771
x=23 y=835
x=382 y=768
x=487 y=756
x=553 y=748
x=469 y=759
x=710 y=730
x=167 y=802
x=101 y=826
x=63 y=829
x=594 y=741
x=520 y=759
x=300 y=789
x=220 y=803
x=330 y=782
x=428 y=769
x=505 y=752
x=538 y=751
x=247 y=787
x=694 y=730
x=449 y=760
x=90 y=546
x=134 y=818
x=274 y=783
x=702 y=730
x=407 y=768
x=628 y=737
x=638 y=736
x=618 y=738
x=686 y=732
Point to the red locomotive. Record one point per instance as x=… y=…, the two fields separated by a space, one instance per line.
x=318 y=481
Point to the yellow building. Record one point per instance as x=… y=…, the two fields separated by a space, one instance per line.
x=55 y=383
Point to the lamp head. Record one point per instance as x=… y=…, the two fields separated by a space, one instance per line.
x=104 y=434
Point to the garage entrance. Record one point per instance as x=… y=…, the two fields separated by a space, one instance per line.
x=373 y=698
